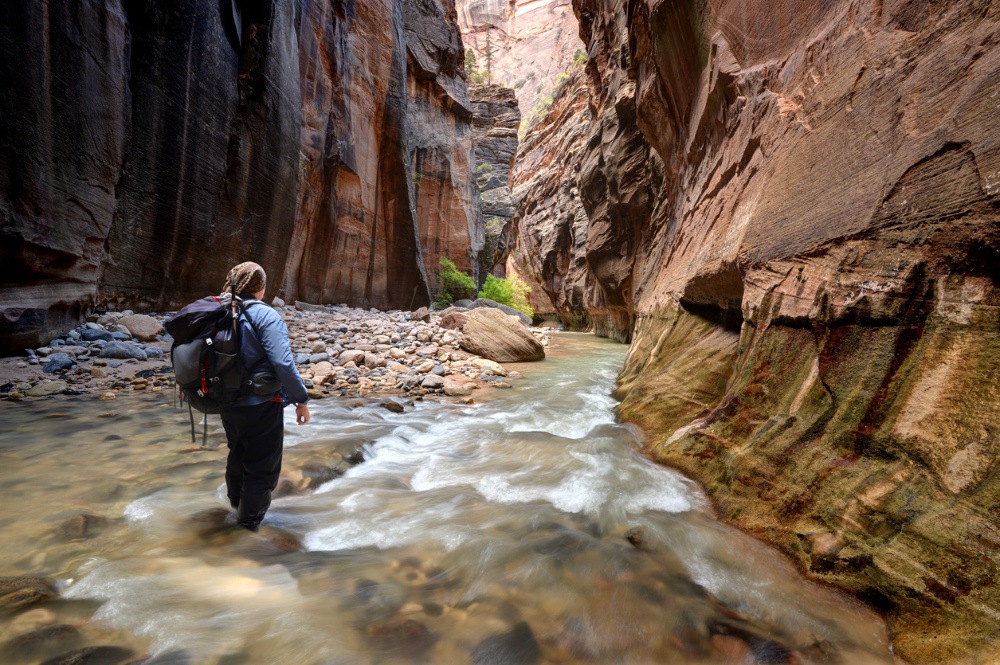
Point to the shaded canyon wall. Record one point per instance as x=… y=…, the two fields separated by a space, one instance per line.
x=146 y=149
x=799 y=211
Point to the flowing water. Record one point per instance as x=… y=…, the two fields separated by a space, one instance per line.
x=526 y=528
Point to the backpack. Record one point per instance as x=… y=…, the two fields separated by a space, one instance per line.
x=209 y=369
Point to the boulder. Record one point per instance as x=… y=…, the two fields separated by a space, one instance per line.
x=486 y=302
x=122 y=350
x=422 y=314
x=454 y=320
x=321 y=372
x=92 y=335
x=494 y=335
x=142 y=327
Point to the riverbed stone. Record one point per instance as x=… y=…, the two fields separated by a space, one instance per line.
x=516 y=646
x=432 y=382
x=58 y=362
x=45 y=388
x=122 y=350
x=95 y=334
x=141 y=326
x=456 y=386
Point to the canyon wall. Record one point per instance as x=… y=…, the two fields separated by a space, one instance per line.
x=147 y=149
x=800 y=210
x=531 y=43
x=495 y=120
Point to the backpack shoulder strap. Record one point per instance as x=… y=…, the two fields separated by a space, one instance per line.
x=243 y=307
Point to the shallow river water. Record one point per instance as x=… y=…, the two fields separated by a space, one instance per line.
x=526 y=528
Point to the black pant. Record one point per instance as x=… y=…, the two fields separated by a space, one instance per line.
x=255 y=435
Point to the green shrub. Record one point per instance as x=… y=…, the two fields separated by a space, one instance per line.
x=512 y=292
x=580 y=57
x=452 y=282
x=485 y=167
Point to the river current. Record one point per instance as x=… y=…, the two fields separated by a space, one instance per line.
x=524 y=528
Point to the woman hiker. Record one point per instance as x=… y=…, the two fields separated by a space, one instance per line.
x=254 y=424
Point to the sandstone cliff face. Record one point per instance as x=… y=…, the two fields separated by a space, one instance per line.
x=531 y=42
x=146 y=150
x=800 y=208
x=550 y=225
x=495 y=119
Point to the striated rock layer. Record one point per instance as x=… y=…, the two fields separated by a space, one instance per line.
x=800 y=208
x=146 y=150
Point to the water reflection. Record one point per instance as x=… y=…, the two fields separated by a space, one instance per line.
x=523 y=529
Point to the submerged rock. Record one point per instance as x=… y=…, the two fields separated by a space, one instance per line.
x=518 y=646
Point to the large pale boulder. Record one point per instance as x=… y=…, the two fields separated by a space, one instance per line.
x=141 y=326
x=492 y=334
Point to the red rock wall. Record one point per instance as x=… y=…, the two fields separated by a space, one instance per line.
x=798 y=207
x=146 y=151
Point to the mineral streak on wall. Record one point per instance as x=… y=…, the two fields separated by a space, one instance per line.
x=799 y=206
x=147 y=146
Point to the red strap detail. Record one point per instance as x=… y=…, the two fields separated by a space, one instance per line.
x=204 y=376
x=276 y=398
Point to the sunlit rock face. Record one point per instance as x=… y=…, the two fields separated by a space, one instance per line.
x=799 y=209
x=531 y=42
x=153 y=148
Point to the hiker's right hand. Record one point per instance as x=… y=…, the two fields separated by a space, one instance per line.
x=301 y=414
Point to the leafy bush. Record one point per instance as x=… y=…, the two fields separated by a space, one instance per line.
x=512 y=292
x=452 y=282
x=579 y=57
x=485 y=167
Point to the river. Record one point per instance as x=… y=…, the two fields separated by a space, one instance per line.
x=525 y=528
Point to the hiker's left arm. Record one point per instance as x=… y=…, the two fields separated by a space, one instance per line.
x=274 y=339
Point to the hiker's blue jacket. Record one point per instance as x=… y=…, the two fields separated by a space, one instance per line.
x=272 y=351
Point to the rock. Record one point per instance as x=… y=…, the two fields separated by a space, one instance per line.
x=19 y=592
x=453 y=320
x=40 y=642
x=485 y=364
x=422 y=314
x=318 y=473
x=318 y=347
x=517 y=646
x=407 y=636
x=319 y=357
x=425 y=366
x=122 y=350
x=46 y=388
x=108 y=396
x=373 y=360
x=142 y=327
x=455 y=386
x=439 y=370
x=391 y=405
x=351 y=356
x=92 y=335
x=462 y=304
x=486 y=302
x=432 y=382
x=58 y=362
x=307 y=307
x=277 y=302
x=98 y=655
x=81 y=526
x=322 y=371
x=492 y=334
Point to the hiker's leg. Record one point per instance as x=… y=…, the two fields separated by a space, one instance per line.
x=233 y=423
x=261 y=462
